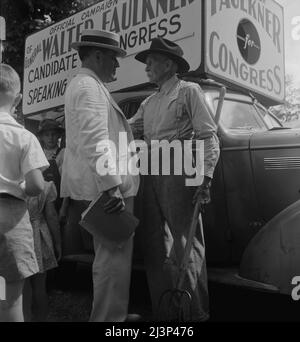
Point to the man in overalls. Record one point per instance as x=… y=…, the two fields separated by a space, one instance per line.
x=176 y=112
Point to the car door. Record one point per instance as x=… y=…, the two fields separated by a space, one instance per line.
x=239 y=121
x=275 y=158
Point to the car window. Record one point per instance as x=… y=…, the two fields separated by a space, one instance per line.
x=269 y=119
x=130 y=107
x=240 y=116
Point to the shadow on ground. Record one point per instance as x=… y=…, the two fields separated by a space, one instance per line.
x=70 y=299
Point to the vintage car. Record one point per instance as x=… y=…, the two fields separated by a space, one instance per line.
x=251 y=225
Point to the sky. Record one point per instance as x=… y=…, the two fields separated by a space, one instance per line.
x=292 y=38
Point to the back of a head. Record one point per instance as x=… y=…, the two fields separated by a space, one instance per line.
x=10 y=84
x=85 y=51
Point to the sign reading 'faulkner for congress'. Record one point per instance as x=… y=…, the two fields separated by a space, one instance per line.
x=50 y=61
x=245 y=44
x=2 y=28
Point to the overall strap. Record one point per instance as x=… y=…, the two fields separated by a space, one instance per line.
x=181 y=101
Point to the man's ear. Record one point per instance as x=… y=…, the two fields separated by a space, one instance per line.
x=98 y=55
x=168 y=64
x=17 y=100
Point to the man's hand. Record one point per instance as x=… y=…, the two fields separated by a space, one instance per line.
x=116 y=204
x=22 y=185
x=137 y=128
x=202 y=194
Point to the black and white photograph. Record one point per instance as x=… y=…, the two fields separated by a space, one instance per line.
x=149 y=163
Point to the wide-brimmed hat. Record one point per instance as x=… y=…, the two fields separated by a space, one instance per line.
x=168 y=48
x=102 y=39
x=50 y=125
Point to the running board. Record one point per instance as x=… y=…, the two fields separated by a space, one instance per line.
x=230 y=276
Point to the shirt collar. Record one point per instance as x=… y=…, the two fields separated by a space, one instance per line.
x=7 y=119
x=168 y=85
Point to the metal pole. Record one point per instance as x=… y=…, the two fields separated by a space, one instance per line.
x=2 y=35
x=1 y=49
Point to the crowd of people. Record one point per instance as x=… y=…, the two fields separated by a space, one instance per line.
x=43 y=184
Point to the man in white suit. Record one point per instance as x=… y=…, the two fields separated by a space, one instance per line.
x=92 y=117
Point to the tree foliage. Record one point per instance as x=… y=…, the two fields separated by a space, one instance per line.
x=290 y=109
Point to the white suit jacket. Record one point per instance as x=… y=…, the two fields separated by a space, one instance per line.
x=92 y=118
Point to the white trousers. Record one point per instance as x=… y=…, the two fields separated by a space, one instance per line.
x=111 y=279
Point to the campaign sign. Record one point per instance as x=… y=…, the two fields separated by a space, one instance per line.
x=245 y=44
x=50 y=61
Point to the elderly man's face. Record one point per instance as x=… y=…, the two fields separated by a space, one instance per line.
x=109 y=65
x=156 y=67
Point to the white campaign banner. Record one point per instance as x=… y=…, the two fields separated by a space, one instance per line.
x=245 y=44
x=50 y=61
x=2 y=29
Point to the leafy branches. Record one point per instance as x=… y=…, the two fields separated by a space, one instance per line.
x=291 y=108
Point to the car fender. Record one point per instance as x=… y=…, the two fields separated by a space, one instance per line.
x=273 y=255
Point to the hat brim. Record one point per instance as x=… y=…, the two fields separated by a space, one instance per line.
x=60 y=130
x=120 y=52
x=183 y=65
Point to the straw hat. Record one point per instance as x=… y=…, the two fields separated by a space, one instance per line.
x=102 y=39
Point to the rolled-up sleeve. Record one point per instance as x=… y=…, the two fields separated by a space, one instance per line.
x=93 y=132
x=204 y=127
x=33 y=157
x=138 y=115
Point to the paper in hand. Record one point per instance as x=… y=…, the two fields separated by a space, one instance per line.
x=116 y=227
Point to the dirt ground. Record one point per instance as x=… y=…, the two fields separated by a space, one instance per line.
x=69 y=306
x=70 y=295
x=70 y=300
